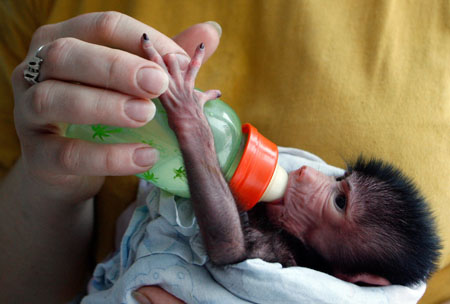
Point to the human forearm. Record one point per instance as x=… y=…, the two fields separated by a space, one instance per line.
x=45 y=242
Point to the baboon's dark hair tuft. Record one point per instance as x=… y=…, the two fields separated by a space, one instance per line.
x=399 y=234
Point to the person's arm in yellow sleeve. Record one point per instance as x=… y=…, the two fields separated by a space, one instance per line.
x=91 y=72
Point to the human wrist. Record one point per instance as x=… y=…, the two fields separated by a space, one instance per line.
x=50 y=188
x=38 y=227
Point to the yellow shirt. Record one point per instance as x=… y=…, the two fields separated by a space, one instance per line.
x=336 y=78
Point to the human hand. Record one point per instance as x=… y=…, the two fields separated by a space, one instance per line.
x=92 y=73
x=154 y=295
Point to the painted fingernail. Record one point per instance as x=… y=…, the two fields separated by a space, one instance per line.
x=216 y=26
x=140 y=110
x=152 y=80
x=140 y=298
x=145 y=37
x=145 y=157
x=202 y=46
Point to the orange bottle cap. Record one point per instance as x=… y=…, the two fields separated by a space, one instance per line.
x=255 y=169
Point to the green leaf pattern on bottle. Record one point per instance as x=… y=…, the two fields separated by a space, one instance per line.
x=101 y=131
x=150 y=176
x=179 y=173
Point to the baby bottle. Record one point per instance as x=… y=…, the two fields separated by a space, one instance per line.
x=247 y=159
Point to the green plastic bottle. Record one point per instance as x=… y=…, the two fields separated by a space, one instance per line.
x=247 y=159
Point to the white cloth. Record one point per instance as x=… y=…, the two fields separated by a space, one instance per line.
x=162 y=246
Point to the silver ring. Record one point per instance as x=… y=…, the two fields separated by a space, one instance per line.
x=31 y=73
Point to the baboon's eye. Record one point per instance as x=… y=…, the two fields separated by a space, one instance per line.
x=340 y=202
